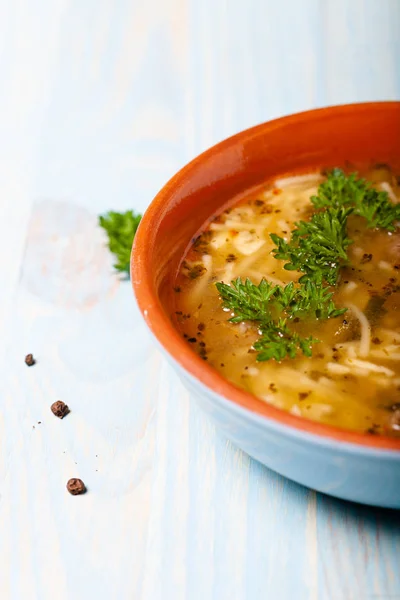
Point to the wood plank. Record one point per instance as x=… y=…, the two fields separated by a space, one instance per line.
x=104 y=102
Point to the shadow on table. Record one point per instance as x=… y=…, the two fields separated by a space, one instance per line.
x=384 y=518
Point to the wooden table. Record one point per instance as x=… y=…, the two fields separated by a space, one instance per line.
x=102 y=101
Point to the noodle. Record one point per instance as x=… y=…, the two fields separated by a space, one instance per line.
x=365 y=330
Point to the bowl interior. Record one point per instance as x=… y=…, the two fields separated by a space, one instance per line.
x=361 y=135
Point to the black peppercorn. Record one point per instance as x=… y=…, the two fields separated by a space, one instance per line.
x=59 y=409
x=29 y=360
x=76 y=487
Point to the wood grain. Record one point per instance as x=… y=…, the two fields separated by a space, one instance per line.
x=102 y=102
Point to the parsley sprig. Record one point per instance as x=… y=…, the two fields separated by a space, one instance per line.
x=121 y=229
x=277 y=342
x=317 y=248
x=265 y=303
x=341 y=190
x=251 y=302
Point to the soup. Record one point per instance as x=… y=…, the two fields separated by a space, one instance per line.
x=307 y=319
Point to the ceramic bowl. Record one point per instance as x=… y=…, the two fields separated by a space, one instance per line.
x=353 y=466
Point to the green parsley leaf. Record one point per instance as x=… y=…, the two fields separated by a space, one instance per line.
x=121 y=229
x=347 y=190
x=251 y=302
x=248 y=302
x=277 y=342
x=310 y=300
x=264 y=305
x=317 y=248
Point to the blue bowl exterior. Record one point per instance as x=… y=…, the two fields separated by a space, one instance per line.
x=343 y=470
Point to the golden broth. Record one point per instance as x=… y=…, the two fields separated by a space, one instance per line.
x=353 y=378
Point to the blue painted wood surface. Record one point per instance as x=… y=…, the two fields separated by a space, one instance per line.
x=101 y=103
